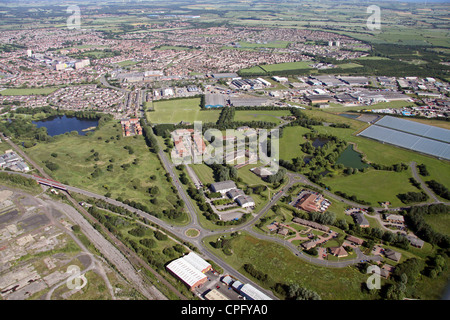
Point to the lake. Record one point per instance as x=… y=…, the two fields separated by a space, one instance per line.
x=62 y=124
x=351 y=158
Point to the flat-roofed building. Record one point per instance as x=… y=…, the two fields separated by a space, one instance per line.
x=215 y=295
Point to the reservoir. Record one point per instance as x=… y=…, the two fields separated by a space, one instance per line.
x=61 y=124
x=351 y=158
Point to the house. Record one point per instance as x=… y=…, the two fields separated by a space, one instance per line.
x=386 y=270
x=355 y=240
x=283 y=231
x=415 y=242
x=309 y=244
x=311 y=224
x=393 y=255
x=339 y=252
x=361 y=220
x=395 y=218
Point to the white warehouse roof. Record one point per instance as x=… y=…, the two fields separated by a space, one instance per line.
x=253 y=293
x=185 y=271
x=196 y=261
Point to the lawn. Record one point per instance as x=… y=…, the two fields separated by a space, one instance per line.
x=203 y=172
x=290 y=142
x=27 y=91
x=128 y=176
x=175 y=111
x=373 y=186
x=261 y=115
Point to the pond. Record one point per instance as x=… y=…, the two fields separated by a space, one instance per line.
x=351 y=158
x=62 y=124
x=350 y=115
x=319 y=142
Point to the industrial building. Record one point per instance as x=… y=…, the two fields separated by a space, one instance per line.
x=190 y=269
x=214 y=100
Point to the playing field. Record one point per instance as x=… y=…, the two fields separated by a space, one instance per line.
x=287 y=66
x=175 y=111
x=27 y=91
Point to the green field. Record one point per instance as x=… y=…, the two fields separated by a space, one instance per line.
x=203 y=172
x=177 y=110
x=128 y=63
x=128 y=177
x=260 y=115
x=373 y=186
x=290 y=142
x=27 y=91
x=287 y=66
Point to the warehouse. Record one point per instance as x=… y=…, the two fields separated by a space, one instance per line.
x=251 y=293
x=197 y=262
x=248 y=101
x=223 y=186
x=214 y=100
x=187 y=273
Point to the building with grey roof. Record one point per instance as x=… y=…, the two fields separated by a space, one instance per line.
x=361 y=220
x=223 y=186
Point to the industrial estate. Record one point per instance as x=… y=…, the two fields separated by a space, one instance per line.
x=216 y=150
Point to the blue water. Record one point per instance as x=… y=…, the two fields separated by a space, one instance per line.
x=62 y=124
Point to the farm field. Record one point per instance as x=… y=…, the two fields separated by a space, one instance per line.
x=100 y=163
x=175 y=111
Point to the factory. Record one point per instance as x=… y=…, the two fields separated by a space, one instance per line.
x=190 y=269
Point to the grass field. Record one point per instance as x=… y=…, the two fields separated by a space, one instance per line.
x=203 y=172
x=287 y=66
x=260 y=115
x=175 y=111
x=373 y=186
x=76 y=161
x=290 y=142
x=127 y=63
x=27 y=91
